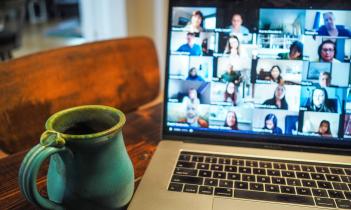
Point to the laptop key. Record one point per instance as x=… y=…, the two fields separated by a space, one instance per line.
x=187 y=179
x=190 y=188
x=260 y=171
x=344 y=179
x=340 y=186
x=303 y=191
x=198 y=159
x=337 y=171
x=274 y=197
x=210 y=160
x=206 y=190
x=223 y=192
x=278 y=180
x=308 y=168
x=245 y=170
x=233 y=176
x=183 y=164
x=343 y=204
x=324 y=185
x=319 y=193
x=288 y=174
x=348 y=171
x=332 y=178
x=317 y=176
x=248 y=178
x=303 y=175
x=322 y=170
x=256 y=186
x=219 y=175
x=184 y=157
x=211 y=182
x=287 y=189
x=325 y=202
x=293 y=167
x=203 y=166
x=265 y=165
x=280 y=166
x=230 y=169
x=309 y=183
x=271 y=172
x=226 y=183
x=241 y=185
x=251 y=163
x=263 y=179
x=237 y=162
x=293 y=182
x=215 y=167
x=336 y=194
x=204 y=173
x=185 y=171
x=224 y=161
x=177 y=187
x=271 y=188
x=347 y=195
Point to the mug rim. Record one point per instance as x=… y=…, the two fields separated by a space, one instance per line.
x=115 y=128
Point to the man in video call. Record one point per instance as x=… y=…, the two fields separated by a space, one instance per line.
x=330 y=29
x=324 y=79
x=192 y=117
x=191 y=47
x=237 y=27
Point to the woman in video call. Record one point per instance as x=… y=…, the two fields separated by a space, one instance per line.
x=330 y=28
x=195 y=23
x=236 y=57
x=278 y=99
x=193 y=76
x=230 y=94
x=275 y=75
x=324 y=128
x=327 y=52
x=318 y=103
x=191 y=98
x=271 y=124
x=295 y=53
x=231 y=120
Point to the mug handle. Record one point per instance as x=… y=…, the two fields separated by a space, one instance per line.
x=51 y=142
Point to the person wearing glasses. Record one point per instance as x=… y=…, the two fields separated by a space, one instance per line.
x=327 y=52
x=331 y=29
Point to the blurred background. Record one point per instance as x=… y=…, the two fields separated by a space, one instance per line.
x=31 y=26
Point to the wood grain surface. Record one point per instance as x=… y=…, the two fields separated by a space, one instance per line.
x=122 y=73
x=141 y=134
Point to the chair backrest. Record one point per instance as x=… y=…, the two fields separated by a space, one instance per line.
x=122 y=73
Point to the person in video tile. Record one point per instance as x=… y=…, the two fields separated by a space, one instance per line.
x=190 y=46
x=192 y=117
x=230 y=94
x=278 y=99
x=271 y=124
x=192 y=75
x=295 y=53
x=319 y=101
x=275 y=75
x=191 y=98
x=236 y=26
x=231 y=120
x=324 y=79
x=231 y=75
x=330 y=28
x=205 y=50
x=324 y=128
x=195 y=23
x=237 y=58
x=327 y=52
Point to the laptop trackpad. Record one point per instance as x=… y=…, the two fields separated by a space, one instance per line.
x=238 y=204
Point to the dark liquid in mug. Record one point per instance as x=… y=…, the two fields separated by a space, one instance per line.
x=89 y=127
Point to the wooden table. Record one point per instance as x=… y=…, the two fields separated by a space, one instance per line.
x=141 y=135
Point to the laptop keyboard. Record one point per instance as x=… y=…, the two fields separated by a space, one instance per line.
x=303 y=183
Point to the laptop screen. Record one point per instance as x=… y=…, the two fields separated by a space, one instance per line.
x=259 y=70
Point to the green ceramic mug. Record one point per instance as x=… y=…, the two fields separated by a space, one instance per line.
x=89 y=165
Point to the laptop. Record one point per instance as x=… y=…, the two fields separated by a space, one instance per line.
x=257 y=108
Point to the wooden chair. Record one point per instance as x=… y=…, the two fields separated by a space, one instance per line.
x=122 y=73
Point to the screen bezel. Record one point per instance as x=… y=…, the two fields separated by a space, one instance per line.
x=309 y=143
